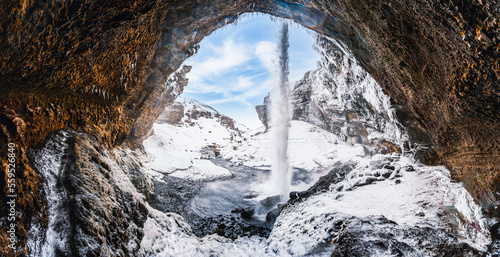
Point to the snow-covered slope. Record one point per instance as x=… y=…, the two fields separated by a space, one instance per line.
x=409 y=195
x=175 y=149
x=310 y=148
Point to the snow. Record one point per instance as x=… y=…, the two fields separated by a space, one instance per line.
x=49 y=162
x=425 y=197
x=310 y=148
x=168 y=235
x=340 y=83
x=421 y=199
x=176 y=149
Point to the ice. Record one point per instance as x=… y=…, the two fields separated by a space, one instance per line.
x=49 y=162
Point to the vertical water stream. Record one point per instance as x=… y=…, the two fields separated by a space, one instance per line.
x=280 y=119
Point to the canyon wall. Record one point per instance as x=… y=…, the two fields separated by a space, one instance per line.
x=102 y=68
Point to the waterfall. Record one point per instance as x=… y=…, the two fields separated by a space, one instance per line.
x=280 y=119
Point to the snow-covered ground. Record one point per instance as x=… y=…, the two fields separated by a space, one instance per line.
x=310 y=148
x=420 y=196
x=423 y=196
x=176 y=149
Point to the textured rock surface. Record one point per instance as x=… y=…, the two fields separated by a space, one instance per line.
x=388 y=237
x=263 y=111
x=341 y=97
x=172 y=114
x=101 y=67
x=97 y=212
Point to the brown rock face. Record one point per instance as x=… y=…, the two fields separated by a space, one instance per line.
x=172 y=114
x=100 y=67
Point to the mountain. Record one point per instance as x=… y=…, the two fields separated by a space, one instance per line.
x=341 y=97
x=180 y=134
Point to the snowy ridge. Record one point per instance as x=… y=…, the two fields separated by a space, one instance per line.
x=192 y=104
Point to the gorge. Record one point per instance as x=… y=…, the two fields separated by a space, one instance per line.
x=103 y=72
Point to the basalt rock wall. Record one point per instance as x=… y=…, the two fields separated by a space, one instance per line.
x=100 y=67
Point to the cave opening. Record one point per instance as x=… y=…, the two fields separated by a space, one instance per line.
x=344 y=127
x=229 y=84
x=99 y=69
x=215 y=172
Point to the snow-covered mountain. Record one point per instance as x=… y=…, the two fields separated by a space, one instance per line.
x=183 y=131
x=342 y=98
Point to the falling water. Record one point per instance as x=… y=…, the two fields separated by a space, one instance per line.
x=280 y=119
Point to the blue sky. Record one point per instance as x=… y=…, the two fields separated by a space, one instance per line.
x=234 y=67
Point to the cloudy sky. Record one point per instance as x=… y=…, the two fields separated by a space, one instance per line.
x=233 y=69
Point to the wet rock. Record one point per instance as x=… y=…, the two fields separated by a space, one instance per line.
x=245 y=213
x=173 y=193
x=365 y=181
x=409 y=168
x=173 y=114
x=389 y=167
x=386 y=173
x=336 y=175
x=272 y=201
x=230 y=226
x=494 y=248
x=273 y=214
x=372 y=235
x=105 y=215
x=428 y=155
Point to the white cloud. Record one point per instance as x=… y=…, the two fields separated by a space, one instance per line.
x=243 y=83
x=225 y=58
x=268 y=55
x=220 y=72
x=231 y=99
